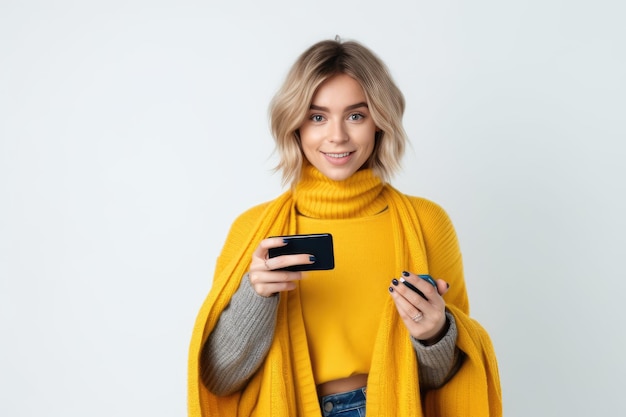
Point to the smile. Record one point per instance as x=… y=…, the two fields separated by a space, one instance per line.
x=337 y=155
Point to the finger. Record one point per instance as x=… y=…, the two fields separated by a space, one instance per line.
x=442 y=286
x=419 y=280
x=417 y=317
x=265 y=244
x=413 y=288
x=269 y=289
x=428 y=279
x=406 y=309
x=284 y=261
x=260 y=254
x=266 y=283
x=422 y=286
x=274 y=277
x=426 y=303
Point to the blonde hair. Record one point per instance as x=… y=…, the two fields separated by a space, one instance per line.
x=321 y=61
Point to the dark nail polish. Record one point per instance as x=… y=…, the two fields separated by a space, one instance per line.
x=390 y=289
x=448 y=285
x=406 y=274
x=394 y=281
x=312 y=258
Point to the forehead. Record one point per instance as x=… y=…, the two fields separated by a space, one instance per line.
x=339 y=88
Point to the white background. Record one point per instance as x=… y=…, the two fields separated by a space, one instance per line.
x=133 y=132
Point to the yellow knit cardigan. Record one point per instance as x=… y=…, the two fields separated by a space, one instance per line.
x=284 y=385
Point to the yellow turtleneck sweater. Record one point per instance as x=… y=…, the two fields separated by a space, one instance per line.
x=340 y=305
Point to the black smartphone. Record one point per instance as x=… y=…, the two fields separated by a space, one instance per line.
x=319 y=245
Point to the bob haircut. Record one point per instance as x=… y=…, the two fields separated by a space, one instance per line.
x=320 y=62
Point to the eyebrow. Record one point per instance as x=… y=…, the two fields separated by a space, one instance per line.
x=351 y=107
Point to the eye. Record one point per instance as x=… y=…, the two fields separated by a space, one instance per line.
x=354 y=117
x=316 y=118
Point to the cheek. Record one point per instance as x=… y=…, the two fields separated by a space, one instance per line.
x=308 y=139
x=371 y=142
x=306 y=149
x=370 y=152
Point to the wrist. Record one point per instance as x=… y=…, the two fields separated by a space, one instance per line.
x=438 y=336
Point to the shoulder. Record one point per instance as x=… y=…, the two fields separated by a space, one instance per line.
x=428 y=210
x=246 y=221
x=251 y=215
x=250 y=219
x=241 y=229
x=433 y=219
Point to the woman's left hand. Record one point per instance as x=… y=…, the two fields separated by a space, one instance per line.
x=424 y=317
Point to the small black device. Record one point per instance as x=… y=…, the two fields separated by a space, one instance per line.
x=427 y=278
x=319 y=245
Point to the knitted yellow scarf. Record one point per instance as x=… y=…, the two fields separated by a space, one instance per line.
x=284 y=384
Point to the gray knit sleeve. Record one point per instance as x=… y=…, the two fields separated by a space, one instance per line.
x=239 y=342
x=438 y=363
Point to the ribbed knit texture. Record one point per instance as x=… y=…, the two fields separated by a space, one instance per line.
x=318 y=197
x=241 y=341
x=284 y=384
x=433 y=359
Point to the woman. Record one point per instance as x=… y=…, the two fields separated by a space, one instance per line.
x=374 y=333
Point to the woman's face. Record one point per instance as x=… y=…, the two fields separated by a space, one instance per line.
x=337 y=135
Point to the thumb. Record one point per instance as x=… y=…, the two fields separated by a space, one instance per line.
x=442 y=286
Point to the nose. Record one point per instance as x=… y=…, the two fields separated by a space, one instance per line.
x=337 y=132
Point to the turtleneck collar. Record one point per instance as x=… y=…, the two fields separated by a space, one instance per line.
x=319 y=197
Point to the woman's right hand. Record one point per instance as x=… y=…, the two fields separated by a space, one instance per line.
x=265 y=278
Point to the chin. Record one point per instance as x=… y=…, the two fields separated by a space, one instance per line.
x=337 y=176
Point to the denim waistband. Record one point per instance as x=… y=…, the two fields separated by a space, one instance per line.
x=343 y=401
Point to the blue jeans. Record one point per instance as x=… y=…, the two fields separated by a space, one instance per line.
x=344 y=404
